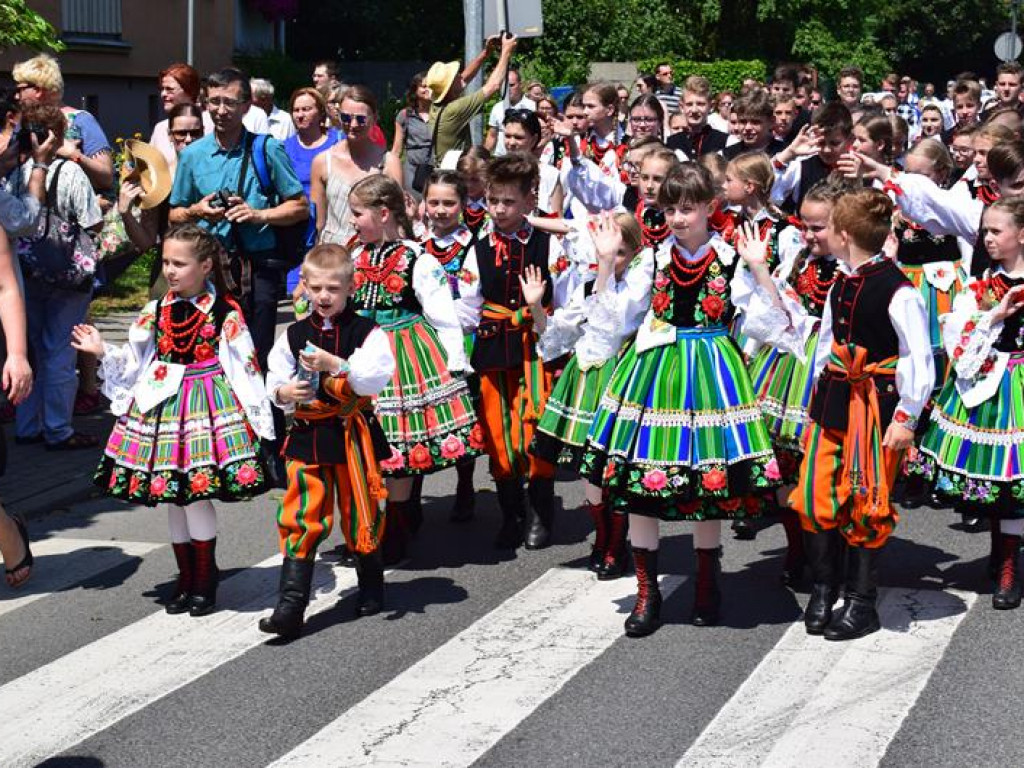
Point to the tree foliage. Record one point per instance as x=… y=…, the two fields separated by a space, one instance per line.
x=21 y=26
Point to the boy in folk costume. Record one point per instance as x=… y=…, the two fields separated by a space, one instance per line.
x=875 y=378
x=514 y=383
x=327 y=368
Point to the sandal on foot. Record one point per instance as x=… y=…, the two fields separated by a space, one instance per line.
x=75 y=442
x=26 y=561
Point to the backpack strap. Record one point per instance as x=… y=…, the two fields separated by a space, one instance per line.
x=261 y=164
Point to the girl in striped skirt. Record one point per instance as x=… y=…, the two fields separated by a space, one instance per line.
x=190 y=402
x=974 y=448
x=782 y=369
x=678 y=434
x=425 y=410
x=600 y=318
x=449 y=240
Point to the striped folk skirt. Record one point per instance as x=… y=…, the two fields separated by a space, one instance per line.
x=195 y=445
x=936 y=304
x=426 y=413
x=977 y=454
x=679 y=435
x=569 y=413
x=783 y=386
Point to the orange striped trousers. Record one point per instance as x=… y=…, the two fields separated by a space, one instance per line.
x=820 y=503
x=508 y=426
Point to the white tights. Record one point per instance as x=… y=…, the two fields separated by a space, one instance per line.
x=643 y=533
x=197 y=521
x=1012 y=527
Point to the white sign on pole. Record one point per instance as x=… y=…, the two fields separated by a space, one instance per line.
x=1008 y=46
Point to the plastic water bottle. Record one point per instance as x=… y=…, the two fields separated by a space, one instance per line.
x=313 y=377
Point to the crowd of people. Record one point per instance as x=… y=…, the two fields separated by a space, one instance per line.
x=778 y=304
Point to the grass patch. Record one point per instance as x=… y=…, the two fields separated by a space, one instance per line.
x=130 y=291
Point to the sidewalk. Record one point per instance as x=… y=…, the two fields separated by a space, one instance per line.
x=38 y=480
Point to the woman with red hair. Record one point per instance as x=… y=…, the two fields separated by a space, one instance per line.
x=179 y=84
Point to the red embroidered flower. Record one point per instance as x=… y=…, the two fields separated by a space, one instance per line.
x=231 y=327
x=203 y=352
x=133 y=485
x=753 y=505
x=900 y=417
x=690 y=507
x=394 y=283
x=713 y=307
x=397 y=461
x=113 y=480
x=452 y=447
x=660 y=281
x=654 y=480
x=561 y=264
x=660 y=303
x=165 y=345
x=247 y=474
x=969 y=326
x=357 y=280
x=476 y=438
x=467 y=277
x=718 y=285
x=208 y=331
x=160 y=373
x=157 y=485
x=729 y=505
x=987 y=366
x=200 y=482
x=713 y=480
x=958 y=353
x=419 y=457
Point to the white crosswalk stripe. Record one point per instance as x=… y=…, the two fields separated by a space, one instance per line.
x=812 y=702
x=80 y=559
x=88 y=690
x=456 y=703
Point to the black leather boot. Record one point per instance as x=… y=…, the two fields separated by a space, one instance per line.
x=184 y=555
x=743 y=530
x=510 y=499
x=858 y=616
x=1008 y=588
x=370 y=572
x=616 y=559
x=707 y=598
x=394 y=545
x=822 y=551
x=600 y=514
x=464 y=508
x=292 y=599
x=796 y=559
x=646 y=615
x=204 y=591
x=414 y=508
x=995 y=551
x=542 y=512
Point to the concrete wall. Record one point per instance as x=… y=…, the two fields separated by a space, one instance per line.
x=624 y=73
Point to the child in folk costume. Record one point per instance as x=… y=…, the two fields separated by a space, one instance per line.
x=875 y=378
x=600 y=318
x=974 y=447
x=190 y=403
x=782 y=369
x=514 y=384
x=326 y=368
x=471 y=166
x=603 y=142
x=678 y=434
x=425 y=409
x=449 y=240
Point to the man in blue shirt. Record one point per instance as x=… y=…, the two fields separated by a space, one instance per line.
x=216 y=186
x=245 y=225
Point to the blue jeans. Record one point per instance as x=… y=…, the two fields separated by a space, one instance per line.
x=51 y=314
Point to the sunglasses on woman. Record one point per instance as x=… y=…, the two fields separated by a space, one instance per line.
x=181 y=135
x=346 y=118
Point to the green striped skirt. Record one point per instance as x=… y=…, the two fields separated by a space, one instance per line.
x=562 y=430
x=426 y=413
x=678 y=433
x=977 y=454
x=783 y=386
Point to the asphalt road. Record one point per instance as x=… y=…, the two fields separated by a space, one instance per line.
x=461 y=611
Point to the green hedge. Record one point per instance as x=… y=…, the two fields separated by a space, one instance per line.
x=724 y=75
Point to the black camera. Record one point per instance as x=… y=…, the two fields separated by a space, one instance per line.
x=222 y=199
x=25 y=134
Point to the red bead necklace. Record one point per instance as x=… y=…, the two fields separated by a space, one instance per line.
x=813 y=287
x=182 y=335
x=688 y=273
x=443 y=255
x=652 y=234
x=391 y=254
x=473 y=217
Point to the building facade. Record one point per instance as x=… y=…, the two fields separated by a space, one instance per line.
x=115 y=48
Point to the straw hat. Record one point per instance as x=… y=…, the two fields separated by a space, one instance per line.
x=146 y=165
x=440 y=77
